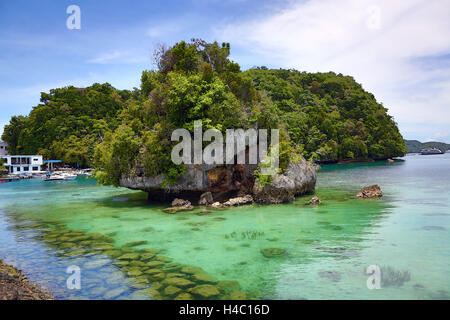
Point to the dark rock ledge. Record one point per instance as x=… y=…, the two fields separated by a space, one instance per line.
x=227 y=185
x=15 y=286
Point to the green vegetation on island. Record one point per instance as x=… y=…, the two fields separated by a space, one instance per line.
x=324 y=116
x=415 y=146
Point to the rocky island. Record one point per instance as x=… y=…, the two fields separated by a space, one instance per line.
x=126 y=135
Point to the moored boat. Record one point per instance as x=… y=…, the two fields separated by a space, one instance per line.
x=430 y=151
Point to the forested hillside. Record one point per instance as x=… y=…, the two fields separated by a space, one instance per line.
x=67 y=124
x=417 y=146
x=330 y=116
x=324 y=116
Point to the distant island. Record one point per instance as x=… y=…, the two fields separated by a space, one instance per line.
x=415 y=146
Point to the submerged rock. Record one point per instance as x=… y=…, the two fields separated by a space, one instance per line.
x=173 y=210
x=203 y=278
x=191 y=270
x=153 y=271
x=184 y=296
x=229 y=285
x=155 y=264
x=433 y=228
x=205 y=291
x=238 y=295
x=129 y=256
x=135 y=243
x=273 y=252
x=147 y=256
x=373 y=191
x=113 y=294
x=331 y=275
x=203 y=212
x=171 y=290
x=179 y=282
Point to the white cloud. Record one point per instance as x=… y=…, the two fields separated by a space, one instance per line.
x=118 y=57
x=107 y=57
x=348 y=37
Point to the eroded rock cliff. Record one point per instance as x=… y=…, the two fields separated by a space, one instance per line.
x=228 y=181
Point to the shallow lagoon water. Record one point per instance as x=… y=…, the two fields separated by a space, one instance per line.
x=328 y=247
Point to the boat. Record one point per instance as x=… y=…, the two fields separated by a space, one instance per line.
x=69 y=176
x=60 y=176
x=429 y=151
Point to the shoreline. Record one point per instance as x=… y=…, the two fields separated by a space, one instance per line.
x=354 y=161
x=14 y=285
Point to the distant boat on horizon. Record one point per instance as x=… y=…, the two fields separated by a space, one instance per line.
x=429 y=151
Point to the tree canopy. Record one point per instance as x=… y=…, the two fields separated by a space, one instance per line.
x=324 y=116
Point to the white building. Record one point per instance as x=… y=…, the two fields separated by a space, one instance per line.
x=23 y=164
x=3 y=151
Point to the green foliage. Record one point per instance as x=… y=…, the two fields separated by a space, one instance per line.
x=330 y=116
x=67 y=124
x=117 y=155
x=261 y=179
x=322 y=116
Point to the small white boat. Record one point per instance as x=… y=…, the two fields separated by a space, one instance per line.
x=60 y=176
x=69 y=176
x=53 y=177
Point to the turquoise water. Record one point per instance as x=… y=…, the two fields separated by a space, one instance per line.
x=47 y=226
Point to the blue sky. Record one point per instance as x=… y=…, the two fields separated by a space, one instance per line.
x=399 y=51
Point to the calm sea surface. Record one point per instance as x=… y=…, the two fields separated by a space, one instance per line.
x=125 y=247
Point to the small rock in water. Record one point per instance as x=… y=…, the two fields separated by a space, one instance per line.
x=247 y=199
x=314 y=201
x=179 y=205
x=272 y=252
x=203 y=212
x=373 y=191
x=217 y=205
x=135 y=243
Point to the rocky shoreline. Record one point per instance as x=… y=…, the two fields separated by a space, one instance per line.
x=225 y=183
x=14 y=285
